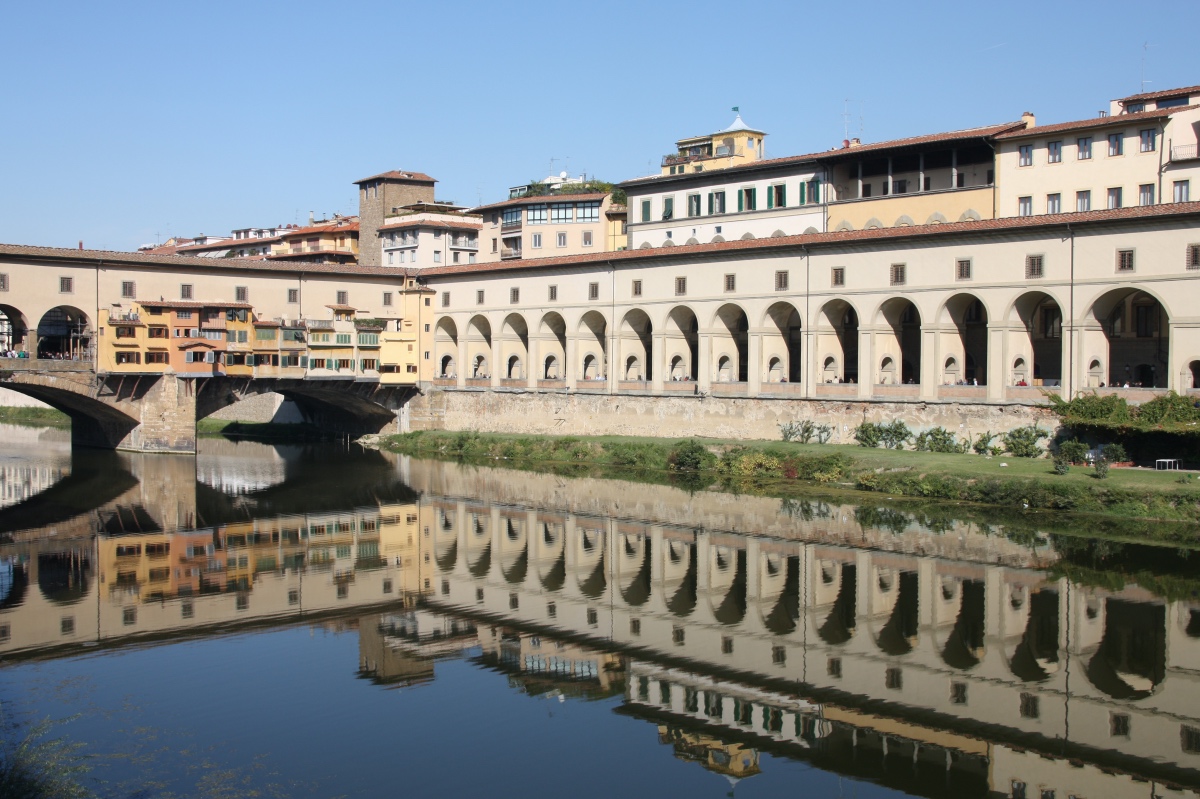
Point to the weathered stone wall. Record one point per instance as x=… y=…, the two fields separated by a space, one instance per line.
x=713 y=417
x=13 y=399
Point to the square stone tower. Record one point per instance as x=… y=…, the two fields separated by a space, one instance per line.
x=377 y=196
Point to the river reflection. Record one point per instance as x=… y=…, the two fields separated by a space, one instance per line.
x=755 y=641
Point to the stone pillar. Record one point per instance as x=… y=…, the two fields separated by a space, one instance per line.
x=754 y=370
x=997 y=361
x=460 y=363
x=533 y=366
x=866 y=363
x=167 y=418
x=495 y=368
x=704 y=371
x=572 y=368
x=612 y=366
x=931 y=359
x=658 y=350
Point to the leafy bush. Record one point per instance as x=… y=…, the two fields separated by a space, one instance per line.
x=868 y=435
x=742 y=462
x=1100 y=468
x=1115 y=453
x=1022 y=442
x=1062 y=465
x=939 y=439
x=895 y=435
x=983 y=443
x=1168 y=408
x=690 y=456
x=806 y=431
x=1073 y=450
x=637 y=456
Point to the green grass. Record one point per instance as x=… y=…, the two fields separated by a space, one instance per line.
x=34 y=417
x=263 y=430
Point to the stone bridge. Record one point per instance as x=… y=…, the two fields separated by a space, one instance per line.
x=158 y=413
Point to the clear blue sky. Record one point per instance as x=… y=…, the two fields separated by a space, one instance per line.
x=123 y=122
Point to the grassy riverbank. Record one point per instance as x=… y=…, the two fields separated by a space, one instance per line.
x=34 y=417
x=1011 y=485
x=267 y=431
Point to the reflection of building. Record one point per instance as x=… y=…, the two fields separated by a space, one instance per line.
x=401 y=646
x=733 y=760
x=547 y=665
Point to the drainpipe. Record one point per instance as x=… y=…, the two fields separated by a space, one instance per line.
x=806 y=351
x=1071 y=330
x=610 y=343
x=96 y=334
x=1162 y=144
x=995 y=176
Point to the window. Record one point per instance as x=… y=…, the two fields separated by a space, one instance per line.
x=514 y=295
x=779 y=655
x=1118 y=725
x=716 y=202
x=1024 y=206
x=587 y=212
x=1083 y=201
x=645 y=210
x=1018 y=790
x=495 y=244
x=1033 y=267
x=781 y=280
x=1083 y=148
x=1193 y=256
x=838 y=276
x=668 y=207
x=958 y=693
x=156 y=357
x=593 y=291
x=899 y=187
x=898 y=274
x=680 y=286
x=693 y=205
x=129 y=616
x=587 y=238
x=66 y=285
x=726 y=645
x=1114 y=198
x=535 y=241
x=677 y=635
x=185 y=291
x=962 y=270
x=553 y=293
x=893 y=678
x=445 y=299
x=1189 y=739
x=1182 y=191
x=562 y=239
x=730 y=283
x=1115 y=145
x=1124 y=260
x=562 y=212
x=747 y=199
x=833 y=667
x=479 y=297
x=1054 y=203
x=387 y=298
x=510 y=217
x=437 y=256
x=777 y=196
x=128 y=289
x=1146 y=194
x=1029 y=706
x=342 y=338
x=293 y=295
x=535 y=215
x=1053 y=152
x=1147 y=138
x=159 y=332
x=1025 y=155
x=343 y=298
x=241 y=294
x=3 y=282
x=637 y=288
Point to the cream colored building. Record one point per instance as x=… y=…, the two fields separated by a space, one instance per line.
x=548 y=226
x=425 y=235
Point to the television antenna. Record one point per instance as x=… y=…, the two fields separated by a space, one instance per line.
x=1145 y=49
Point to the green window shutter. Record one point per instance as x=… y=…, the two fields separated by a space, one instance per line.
x=770 y=197
x=304 y=361
x=783 y=196
x=741 y=199
x=710 y=203
x=802 y=193
x=816 y=190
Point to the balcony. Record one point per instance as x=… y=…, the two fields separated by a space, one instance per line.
x=463 y=243
x=1185 y=152
x=508 y=254
x=510 y=224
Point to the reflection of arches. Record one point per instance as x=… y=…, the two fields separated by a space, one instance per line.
x=1036 y=657
x=62 y=578
x=964 y=647
x=14 y=582
x=899 y=635
x=64 y=331
x=784 y=615
x=1137 y=328
x=1131 y=660
x=839 y=624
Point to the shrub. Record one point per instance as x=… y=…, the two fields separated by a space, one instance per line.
x=1100 y=468
x=806 y=431
x=868 y=434
x=690 y=456
x=1062 y=465
x=983 y=443
x=638 y=456
x=1073 y=450
x=1022 y=442
x=894 y=435
x=1115 y=453
x=939 y=439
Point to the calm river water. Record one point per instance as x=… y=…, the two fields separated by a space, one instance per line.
x=313 y=620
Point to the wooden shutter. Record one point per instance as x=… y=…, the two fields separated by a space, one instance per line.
x=741 y=199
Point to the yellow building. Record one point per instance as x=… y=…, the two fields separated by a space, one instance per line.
x=736 y=145
x=329 y=241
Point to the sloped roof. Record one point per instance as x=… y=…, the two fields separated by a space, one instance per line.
x=395 y=174
x=1094 y=122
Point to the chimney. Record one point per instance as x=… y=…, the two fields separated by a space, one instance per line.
x=312 y=217
x=81 y=245
x=856 y=142
x=1029 y=119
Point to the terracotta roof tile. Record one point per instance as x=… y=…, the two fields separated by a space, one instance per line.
x=828 y=239
x=341 y=227
x=395 y=174
x=410 y=223
x=1094 y=122
x=228 y=243
x=190 y=305
x=1133 y=98
x=548 y=198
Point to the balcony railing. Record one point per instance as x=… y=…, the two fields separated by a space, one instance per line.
x=508 y=253
x=509 y=224
x=1184 y=152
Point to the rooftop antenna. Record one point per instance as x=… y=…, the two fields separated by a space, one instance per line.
x=1145 y=48
x=479 y=194
x=846 y=118
x=552 y=162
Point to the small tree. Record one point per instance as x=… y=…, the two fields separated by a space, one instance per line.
x=1022 y=442
x=1100 y=468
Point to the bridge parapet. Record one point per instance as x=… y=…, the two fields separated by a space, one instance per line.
x=43 y=365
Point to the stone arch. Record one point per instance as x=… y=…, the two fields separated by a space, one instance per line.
x=514 y=346
x=445 y=346
x=682 y=337
x=645 y=245
x=968 y=341
x=593 y=346
x=936 y=218
x=873 y=224
x=731 y=326
x=479 y=347
x=904 y=221
x=843 y=227
x=14 y=329
x=94 y=423
x=636 y=346
x=667 y=243
x=837 y=341
x=550 y=368
x=1135 y=325
x=810 y=230
x=778 y=234
x=692 y=240
x=552 y=333
x=514 y=369
x=717 y=239
x=747 y=236
x=64 y=331
x=1037 y=342
x=1194 y=372
x=783 y=343
x=900 y=339
x=969 y=215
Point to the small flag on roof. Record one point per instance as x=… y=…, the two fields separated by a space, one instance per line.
x=735 y=110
